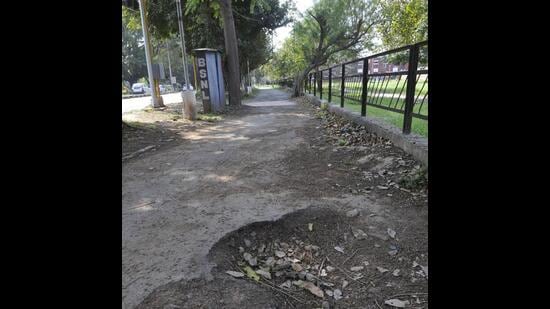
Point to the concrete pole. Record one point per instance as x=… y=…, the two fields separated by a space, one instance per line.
x=169 y=63
x=156 y=99
x=182 y=35
x=188 y=95
x=249 y=77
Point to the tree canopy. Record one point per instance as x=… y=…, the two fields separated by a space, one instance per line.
x=328 y=30
x=133 y=53
x=406 y=22
x=206 y=22
x=335 y=31
x=254 y=22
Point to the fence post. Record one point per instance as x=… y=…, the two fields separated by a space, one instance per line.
x=411 y=84
x=314 y=75
x=364 y=89
x=329 y=84
x=321 y=85
x=342 y=85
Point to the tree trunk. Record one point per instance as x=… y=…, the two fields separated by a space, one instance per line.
x=318 y=80
x=232 y=52
x=298 y=88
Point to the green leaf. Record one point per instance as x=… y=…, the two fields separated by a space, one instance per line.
x=250 y=273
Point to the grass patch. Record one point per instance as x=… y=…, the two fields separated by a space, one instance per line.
x=210 y=117
x=417 y=179
x=254 y=92
x=386 y=87
x=419 y=126
x=139 y=125
x=267 y=86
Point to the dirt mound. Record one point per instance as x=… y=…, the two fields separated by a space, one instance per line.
x=311 y=258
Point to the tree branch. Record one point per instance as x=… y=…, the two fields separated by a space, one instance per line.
x=354 y=39
x=322 y=35
x=246 y=17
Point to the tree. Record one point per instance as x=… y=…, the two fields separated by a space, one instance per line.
x=171 y=46
x=208 y=20
x=331 y=27
x=134 y=65
x=406 y=22
x=255 y=23
x=287 y=61
x=230 y=36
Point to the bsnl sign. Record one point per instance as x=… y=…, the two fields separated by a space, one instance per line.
x=209 y=72
x=203 y=77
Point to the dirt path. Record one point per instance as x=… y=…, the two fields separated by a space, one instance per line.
x=265 y=162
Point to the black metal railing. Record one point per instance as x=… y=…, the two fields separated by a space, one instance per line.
x=395 y=80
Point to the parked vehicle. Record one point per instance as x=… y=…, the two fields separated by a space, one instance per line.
x=138 y=88
x=184 y=88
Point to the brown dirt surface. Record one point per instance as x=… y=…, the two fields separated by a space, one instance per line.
x=256 y=180
x=159 y=128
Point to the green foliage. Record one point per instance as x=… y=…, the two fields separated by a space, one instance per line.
x=335 y=27
x=131 y=19
x=406 y=22
x=125 y=88
x=143 y=80
x=415 y=180
x=133 y=52
x=171 y=46
x=210 y=117
x=254 y=21
x=332 y=31
x=287 y=61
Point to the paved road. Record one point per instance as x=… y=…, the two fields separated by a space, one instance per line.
x=133 y=104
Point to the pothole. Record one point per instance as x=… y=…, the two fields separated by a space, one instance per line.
x=311 y=258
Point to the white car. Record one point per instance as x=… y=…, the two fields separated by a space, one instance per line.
x=190 y=87
x=139 y=88
x=162 y=89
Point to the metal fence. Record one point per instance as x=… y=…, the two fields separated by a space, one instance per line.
x=395 y=80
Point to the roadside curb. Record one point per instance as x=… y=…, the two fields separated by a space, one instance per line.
x=130 y=96
x=134 y=96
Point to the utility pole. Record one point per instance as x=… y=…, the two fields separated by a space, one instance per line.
x=188 y=95
x=156 y=99
x=169 y=64
x=248 y=69
x=182 y=35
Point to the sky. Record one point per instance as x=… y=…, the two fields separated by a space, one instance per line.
x=282 y=33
